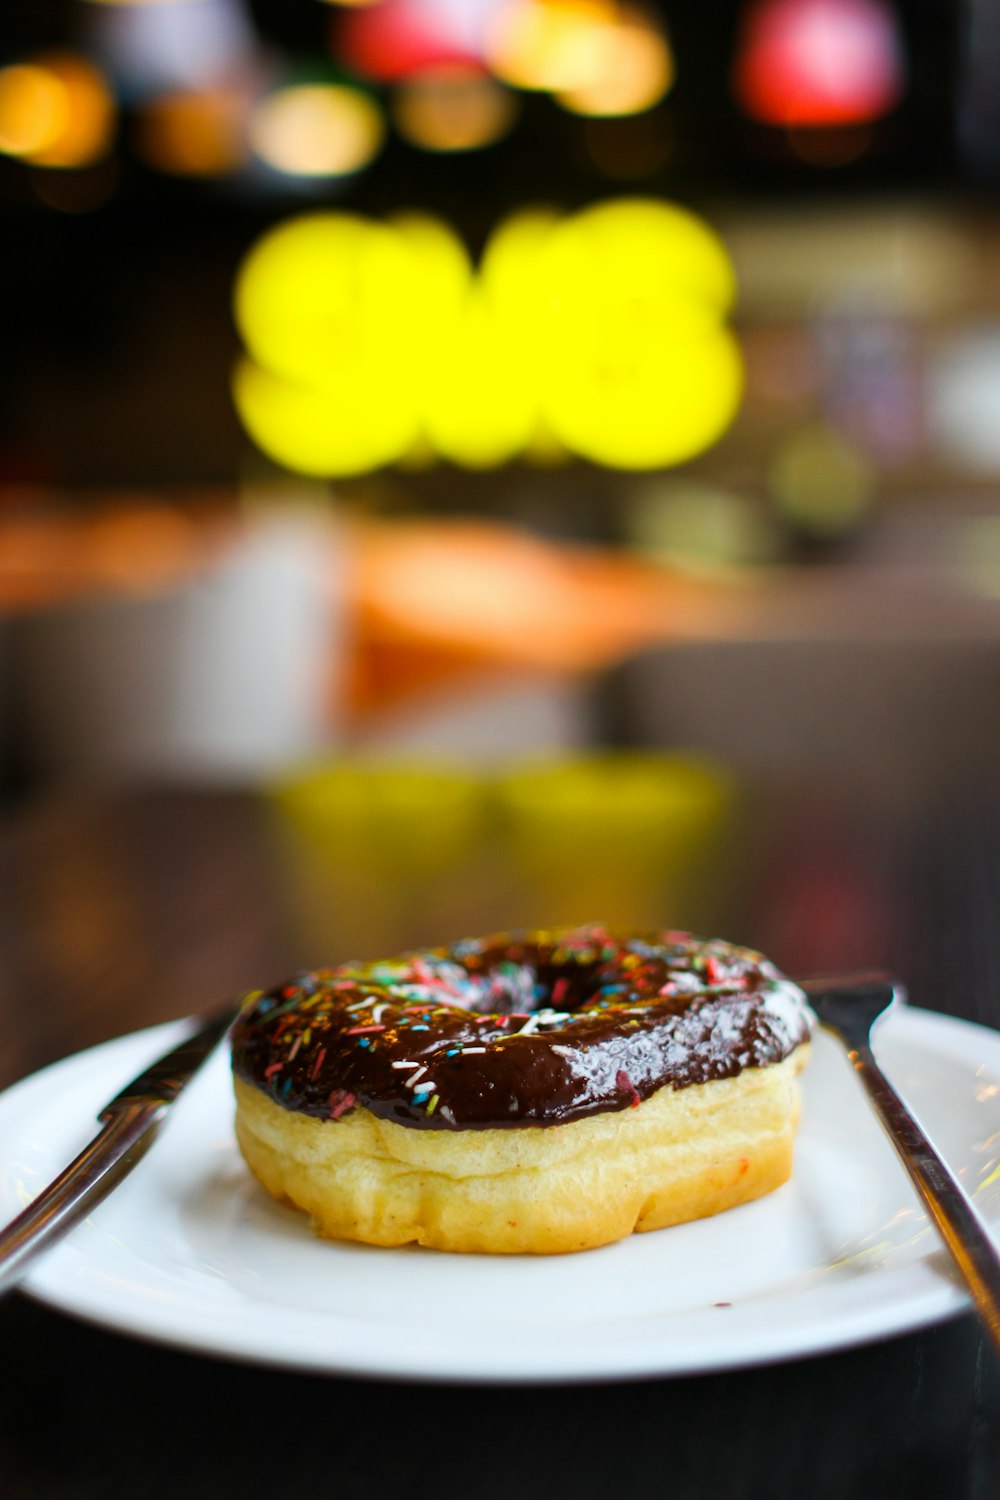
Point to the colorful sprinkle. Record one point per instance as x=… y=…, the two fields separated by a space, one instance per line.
x=339 y=1103
x=624 y=1082
x=639 y=989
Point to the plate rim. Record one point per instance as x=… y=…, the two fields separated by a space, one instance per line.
x=933 y=1298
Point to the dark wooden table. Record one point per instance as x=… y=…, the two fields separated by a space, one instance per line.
x=121 y=911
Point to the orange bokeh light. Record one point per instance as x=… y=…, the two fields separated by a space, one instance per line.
x=55 y=111
x=555 y=45
x=194 y=134
x=453 y=109
x=634 y=70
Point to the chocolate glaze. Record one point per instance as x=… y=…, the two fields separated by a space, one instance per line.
x=531 y=1029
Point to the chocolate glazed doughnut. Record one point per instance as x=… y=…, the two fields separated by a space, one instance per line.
x=537 y=1092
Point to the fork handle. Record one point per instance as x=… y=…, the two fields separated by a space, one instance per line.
x=949 y=1205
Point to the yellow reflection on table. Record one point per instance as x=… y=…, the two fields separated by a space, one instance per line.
x=379 y=856
x=624 y=839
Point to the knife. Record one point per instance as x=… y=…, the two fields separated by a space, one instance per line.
x=130 y=1122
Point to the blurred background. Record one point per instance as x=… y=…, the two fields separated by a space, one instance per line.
x=544 y=452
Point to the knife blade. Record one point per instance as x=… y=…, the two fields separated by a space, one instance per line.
x=129 y=1124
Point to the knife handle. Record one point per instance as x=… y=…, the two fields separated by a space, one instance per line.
x=126 y=1133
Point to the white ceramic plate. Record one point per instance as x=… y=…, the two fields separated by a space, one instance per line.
x=189 y=1251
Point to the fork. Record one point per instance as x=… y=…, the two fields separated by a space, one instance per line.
x=850 y=1007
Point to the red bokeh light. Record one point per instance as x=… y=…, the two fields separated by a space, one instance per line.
x=818 y=62
x=398 y=38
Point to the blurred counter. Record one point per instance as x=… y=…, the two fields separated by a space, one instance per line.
x=146 y=637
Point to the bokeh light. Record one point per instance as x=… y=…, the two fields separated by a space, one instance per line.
x=395 y=39
x=33 y=109
x=820 y=483
x=553 y=45
x=963 y=398
x=317 y=130
x=55 y=111
x=345 y=427
x=479 y=404
x=173 y=46
x=509 y=271
x=641 y=370
x=818 y=62
x=334 y=310
x=320 y=291
x=702 y=529
x=602 y=334
x=634 y=70
x=453 y=108
x=441 y=276
x=194 y=134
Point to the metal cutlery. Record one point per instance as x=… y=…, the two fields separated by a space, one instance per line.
x=849 y=1008
x=129 y=1123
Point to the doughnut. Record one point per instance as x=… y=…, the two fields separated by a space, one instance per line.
x=530 y=1093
